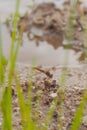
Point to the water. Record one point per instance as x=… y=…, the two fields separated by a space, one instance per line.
x=44 y=53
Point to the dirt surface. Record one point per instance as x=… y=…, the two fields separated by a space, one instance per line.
x=52 y=24
x=47 y=83
x=48 y=20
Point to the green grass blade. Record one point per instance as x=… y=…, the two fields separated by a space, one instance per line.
x=2 y=88
x=7 y=99
x=70 y=21
x=14 y=31
x=27 y=123
x=1 y=60
x=79 y=114
x=6 y=109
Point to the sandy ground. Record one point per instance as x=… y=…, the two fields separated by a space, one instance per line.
x=75 y=83
x=76 y=76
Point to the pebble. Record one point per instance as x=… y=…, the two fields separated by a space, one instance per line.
x=53 y=95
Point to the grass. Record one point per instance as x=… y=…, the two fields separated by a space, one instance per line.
x=26 y=107
x=6 y=103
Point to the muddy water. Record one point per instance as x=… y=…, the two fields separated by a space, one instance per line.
x=44 y=53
